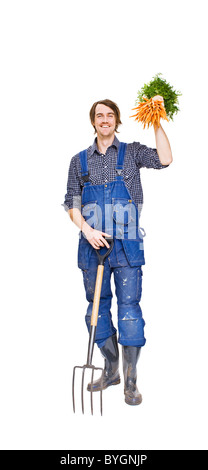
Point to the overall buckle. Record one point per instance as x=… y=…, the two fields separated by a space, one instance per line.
x=119 y=171
x=85 y=177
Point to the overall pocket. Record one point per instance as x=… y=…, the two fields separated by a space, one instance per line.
x=124 y=213
x=134 y=251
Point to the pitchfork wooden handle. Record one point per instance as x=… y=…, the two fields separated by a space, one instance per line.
x=96 y=300
x=94 y=316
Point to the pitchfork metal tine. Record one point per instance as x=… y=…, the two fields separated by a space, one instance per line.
x=93 y=368
x=73 y=380
x=91 y=390
x=82 y=389
x=101 y=394
x=73 y=399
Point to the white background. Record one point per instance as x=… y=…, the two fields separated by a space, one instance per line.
x=57 y=58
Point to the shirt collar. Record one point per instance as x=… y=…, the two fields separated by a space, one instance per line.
x=94 y=147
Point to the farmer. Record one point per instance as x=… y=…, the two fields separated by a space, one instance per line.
x=104 y=199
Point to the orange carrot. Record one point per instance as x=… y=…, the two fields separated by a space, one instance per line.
x=150 y=112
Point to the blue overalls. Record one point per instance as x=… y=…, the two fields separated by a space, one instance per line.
x=109 y=208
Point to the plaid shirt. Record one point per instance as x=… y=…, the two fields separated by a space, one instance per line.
x=102 y=170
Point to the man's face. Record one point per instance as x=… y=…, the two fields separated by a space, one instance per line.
x=105 y=121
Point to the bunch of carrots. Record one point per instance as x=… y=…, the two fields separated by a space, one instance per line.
x=150 y=112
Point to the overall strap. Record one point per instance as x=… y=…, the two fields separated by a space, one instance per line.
x=120 y=159
x=84 y=166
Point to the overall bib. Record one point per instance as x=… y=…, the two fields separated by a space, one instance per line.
x=109 y=208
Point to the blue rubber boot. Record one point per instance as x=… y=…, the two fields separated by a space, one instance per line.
x=130 y=357
x=110 y=353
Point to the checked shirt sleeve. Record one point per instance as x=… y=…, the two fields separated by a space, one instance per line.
x=147 y=157
x=74 y=190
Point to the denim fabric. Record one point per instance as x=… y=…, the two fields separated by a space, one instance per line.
x=109 y=208
x=128 y=288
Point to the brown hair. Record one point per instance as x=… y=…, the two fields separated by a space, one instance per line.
x=112 y=106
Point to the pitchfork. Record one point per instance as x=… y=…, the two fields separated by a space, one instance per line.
x=93 y=326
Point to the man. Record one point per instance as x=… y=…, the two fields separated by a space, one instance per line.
x=104 y=199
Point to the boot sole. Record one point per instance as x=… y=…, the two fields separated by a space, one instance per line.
x=98 y=389
x=133 y=401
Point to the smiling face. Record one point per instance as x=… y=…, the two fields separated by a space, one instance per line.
x=105 y=121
